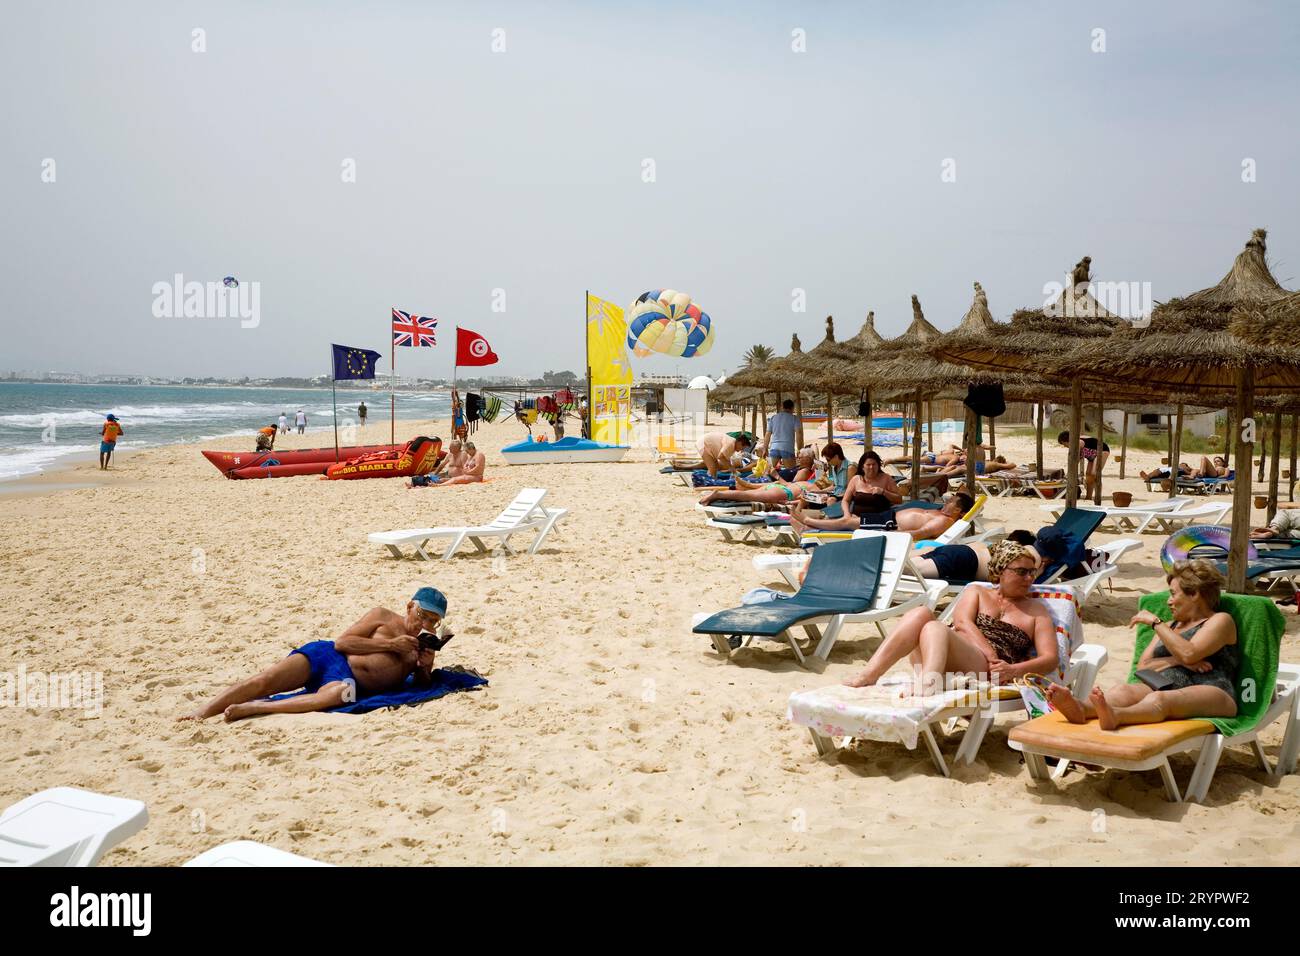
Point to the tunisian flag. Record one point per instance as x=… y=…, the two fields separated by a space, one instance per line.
x=473 y=349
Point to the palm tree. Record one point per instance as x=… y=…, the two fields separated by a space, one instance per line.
x=758 y=355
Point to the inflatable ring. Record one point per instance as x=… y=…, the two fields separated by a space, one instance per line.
x=1200 y=541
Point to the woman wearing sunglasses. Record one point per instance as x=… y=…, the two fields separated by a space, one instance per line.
x=999 y=633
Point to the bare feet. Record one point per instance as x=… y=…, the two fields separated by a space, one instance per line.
x=709 y=498
x=240 y=711
x=861 y=679
x=1061 y=699
x=1105 y=716
x=197 y=715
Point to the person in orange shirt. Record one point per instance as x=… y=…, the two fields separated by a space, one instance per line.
x=266 y=437
x=108 y=436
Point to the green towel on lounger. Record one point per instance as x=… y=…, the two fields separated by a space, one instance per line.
x=1259 y=637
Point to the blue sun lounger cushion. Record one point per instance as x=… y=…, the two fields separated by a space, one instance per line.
x=842 y=579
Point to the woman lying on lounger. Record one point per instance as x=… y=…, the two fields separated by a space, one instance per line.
x=999 y=633
x=773 y=493
x=1197 y=650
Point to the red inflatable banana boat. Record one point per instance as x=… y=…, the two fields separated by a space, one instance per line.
x=280 y=464
x=417 y=457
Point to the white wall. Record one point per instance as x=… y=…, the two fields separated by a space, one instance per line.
x=1202 y=426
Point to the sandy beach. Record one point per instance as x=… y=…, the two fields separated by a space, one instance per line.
x=609 y=734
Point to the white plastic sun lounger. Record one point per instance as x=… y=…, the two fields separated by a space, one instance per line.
x=834 y=712
x=65 y=826
x=1134 y=519
x=250 y=853
x=525 y=513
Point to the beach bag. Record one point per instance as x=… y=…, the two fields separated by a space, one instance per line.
x=985 y=400
x=1033 y=694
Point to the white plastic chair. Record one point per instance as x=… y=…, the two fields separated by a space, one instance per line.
x=250 y=853
x=65 y=826
x=525 y=513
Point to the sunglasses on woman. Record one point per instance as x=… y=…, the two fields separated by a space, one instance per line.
x=1024 y=572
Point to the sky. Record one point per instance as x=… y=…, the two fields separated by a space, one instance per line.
x=807 y=159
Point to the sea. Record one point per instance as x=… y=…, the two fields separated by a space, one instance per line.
x=43 y=422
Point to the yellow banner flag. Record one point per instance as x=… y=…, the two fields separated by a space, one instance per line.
x=611 y=372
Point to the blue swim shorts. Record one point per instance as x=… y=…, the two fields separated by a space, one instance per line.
x=106 y=447
x=327 y=665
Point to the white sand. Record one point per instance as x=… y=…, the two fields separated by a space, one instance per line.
x=609 y=734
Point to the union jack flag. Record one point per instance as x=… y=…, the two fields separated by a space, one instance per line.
x=415 y=330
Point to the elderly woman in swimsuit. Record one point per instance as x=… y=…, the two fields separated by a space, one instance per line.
x=1197 y=649
x=998 y=632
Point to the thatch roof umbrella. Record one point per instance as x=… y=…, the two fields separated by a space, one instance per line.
x=1029 y=341
x=835 y=368
x=780 y=375
x=890 y=367
x=817 y=370
x=1188 y=347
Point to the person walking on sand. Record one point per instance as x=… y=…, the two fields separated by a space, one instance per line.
x=374 y=656
x=361 y=414
x=284 y=424
x=301 y=420
x=108 y=436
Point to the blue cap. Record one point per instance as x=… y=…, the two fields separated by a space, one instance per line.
x=112 y=418
x=431 y=599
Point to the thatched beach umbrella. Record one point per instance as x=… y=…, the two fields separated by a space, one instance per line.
x=1189 y=347
x=784 y=374
x=1031 y=339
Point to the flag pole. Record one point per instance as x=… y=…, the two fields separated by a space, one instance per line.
x=586 y=341
x=392 y=393
x=335 y=395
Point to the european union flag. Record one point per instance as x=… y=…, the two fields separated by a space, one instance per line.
x=354 y=363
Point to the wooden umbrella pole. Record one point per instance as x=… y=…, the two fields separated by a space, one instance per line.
x=916 y=450
x=1038 y=442
x=1274 y=473
x=1101 y=441
x=929 y=419
x=968 y=439
x=1263 y=456
x=798 y=414
x=830 y=417
x=1123 y=447
x=1177 y=442
x=866 y=421
x=1244 y=452
x=1076 y=433
x=1291 y=479
x=762 y=415
x=993 y=438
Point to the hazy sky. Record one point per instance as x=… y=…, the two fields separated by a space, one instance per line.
x=522 y=170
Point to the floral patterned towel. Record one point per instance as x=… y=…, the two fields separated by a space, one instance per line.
x=879 y=713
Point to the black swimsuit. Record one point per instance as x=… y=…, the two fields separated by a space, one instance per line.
x=955 y=562
x=1222 y=673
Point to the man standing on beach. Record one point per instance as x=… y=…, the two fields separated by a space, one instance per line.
x=284 y=424
x=361 y=414
x=301 y=420
x=781 y=430
x=108 y=436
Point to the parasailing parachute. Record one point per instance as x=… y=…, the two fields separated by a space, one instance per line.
x=668 y=322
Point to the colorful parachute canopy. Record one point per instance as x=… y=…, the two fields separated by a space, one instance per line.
x=668 y=322
x=230 y=282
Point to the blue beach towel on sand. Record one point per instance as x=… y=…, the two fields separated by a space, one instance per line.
x=444 y=682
